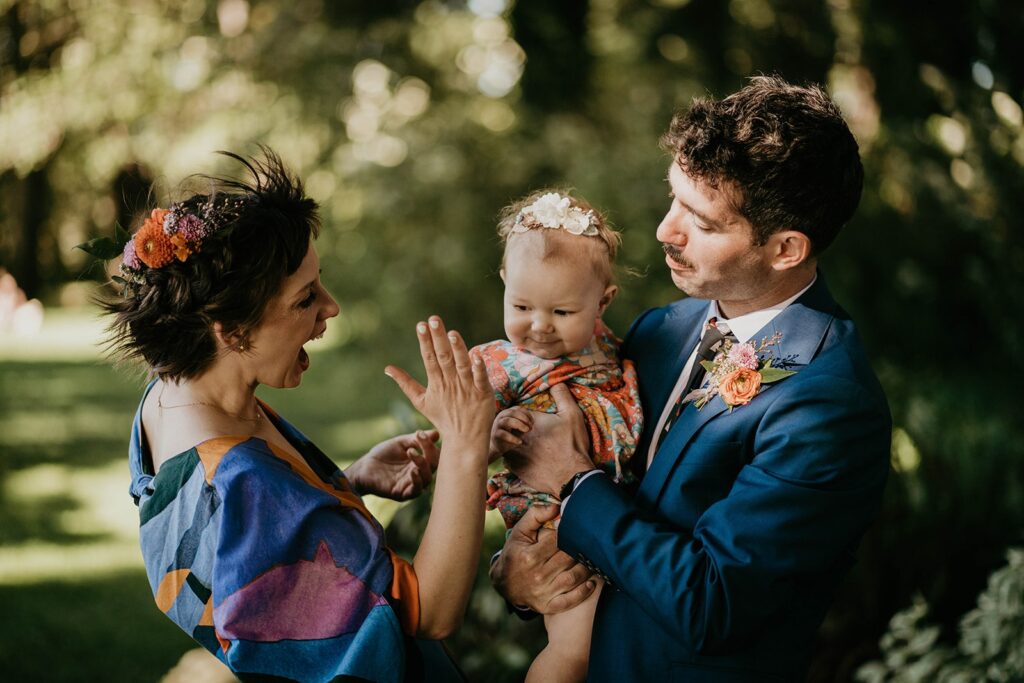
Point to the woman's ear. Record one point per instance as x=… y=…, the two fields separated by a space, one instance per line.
x=609 y=295
x=791 y=249
x=237 y=340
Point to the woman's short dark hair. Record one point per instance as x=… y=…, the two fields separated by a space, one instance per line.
x=784 y=149
x=264 y=225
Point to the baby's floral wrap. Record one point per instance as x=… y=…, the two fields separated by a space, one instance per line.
x=605 y=390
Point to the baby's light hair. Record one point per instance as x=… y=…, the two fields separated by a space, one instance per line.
x=558 y=242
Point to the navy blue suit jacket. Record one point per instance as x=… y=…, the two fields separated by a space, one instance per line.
x=723 y=564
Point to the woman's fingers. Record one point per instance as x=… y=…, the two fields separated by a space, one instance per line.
x=426 y=441
x=412 y=389
x=463 y=363
x=430 y=362
x=442 y=345
x=423 y=468
x=480 y=375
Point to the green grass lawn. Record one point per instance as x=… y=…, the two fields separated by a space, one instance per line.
x=75 y=601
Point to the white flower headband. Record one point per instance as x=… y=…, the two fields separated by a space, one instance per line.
x=554 y=211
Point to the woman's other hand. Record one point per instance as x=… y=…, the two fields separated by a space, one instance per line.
x=457 y=400
x=398 y=468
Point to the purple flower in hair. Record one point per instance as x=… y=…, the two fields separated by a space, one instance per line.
x=192 y=228
x=130 y=259
x=170 y=221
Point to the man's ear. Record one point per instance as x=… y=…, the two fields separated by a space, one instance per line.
x=790 y=248
x=609 y=295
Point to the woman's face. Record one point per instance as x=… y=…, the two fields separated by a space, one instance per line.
x=298 y=314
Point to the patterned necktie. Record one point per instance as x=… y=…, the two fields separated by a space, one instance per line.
x=710 y=343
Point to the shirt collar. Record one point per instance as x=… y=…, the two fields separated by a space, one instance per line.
x=746 y=326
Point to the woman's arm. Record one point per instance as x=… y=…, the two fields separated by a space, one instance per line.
x=459 y=401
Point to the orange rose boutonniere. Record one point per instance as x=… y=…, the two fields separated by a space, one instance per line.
x=738 y=372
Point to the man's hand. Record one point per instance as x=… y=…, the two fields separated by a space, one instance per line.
x=532 y=572
x=399 y=468
x=555 y=448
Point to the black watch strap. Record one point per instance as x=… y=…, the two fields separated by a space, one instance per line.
x=570 y=486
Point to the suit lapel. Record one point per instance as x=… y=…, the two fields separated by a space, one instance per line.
x=682 y=335
x=803 y=326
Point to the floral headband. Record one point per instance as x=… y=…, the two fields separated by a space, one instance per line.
x=556 y=212
x=166 y=235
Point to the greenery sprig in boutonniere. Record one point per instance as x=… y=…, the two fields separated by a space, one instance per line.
x=738 y=372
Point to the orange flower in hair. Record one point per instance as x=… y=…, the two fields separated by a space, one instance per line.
x=181 y=248
x=152 y=245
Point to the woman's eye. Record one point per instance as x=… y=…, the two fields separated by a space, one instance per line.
x=308 y=301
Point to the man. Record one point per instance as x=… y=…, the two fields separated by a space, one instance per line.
x=723 y=564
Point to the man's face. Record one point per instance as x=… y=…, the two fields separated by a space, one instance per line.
x=709 y=246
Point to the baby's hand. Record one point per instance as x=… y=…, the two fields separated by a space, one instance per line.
x=508 y=429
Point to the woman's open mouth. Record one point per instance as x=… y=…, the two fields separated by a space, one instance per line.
x=304 y=355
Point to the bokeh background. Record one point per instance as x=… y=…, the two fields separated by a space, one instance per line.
x=413 y=123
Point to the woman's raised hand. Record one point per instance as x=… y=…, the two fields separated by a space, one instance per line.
x=457 y=400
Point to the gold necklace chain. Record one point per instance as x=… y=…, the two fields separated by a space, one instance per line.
x=160 y=404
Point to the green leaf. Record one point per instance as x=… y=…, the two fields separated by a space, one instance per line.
x=102 y=248
x=121 y=235
x=707 y=365
x=769 y=375
x=119 y=280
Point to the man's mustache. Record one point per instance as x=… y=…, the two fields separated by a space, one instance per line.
x=676 y=254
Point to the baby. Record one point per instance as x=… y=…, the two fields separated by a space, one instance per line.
x=558 y=275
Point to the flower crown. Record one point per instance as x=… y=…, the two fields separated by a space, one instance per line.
x=166 y=235
x=556 y=212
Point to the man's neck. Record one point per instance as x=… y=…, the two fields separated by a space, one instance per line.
x=782 y=289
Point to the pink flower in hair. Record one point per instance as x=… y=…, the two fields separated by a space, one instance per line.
x=130 y=259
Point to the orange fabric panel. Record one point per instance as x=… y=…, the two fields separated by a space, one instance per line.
x=212 y=451
x=405 y=589
x=301 y=468
x=169 y=588
x=206 y=619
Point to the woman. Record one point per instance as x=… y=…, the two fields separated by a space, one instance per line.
x=254 y=542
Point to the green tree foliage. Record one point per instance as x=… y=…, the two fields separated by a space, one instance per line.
x=414 y=122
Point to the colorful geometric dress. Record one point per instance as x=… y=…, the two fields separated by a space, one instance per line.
x=273 y=563
x=605 y=390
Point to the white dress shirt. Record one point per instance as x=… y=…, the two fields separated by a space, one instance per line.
x=743 y=327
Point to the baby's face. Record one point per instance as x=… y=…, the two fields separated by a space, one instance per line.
x=551 y=305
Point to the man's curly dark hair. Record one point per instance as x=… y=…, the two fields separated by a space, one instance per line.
x=783 y=150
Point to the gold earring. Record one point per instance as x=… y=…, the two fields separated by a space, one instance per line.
x=242 y=345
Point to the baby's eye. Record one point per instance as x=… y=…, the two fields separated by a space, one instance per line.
x=563 y=312
x=519 y=307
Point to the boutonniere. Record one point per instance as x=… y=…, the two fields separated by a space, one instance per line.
x=739 y=371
